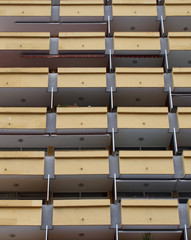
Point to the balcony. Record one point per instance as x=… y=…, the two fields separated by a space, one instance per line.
x=23 y=41
x=25 y=8
x=22 y=120
x=177 y=11
x=22 y=84
x=90 y=217
x=186 y=159
x=149 y=214
x=139 y=87
x=146 y=164
x=81 y=120
x=184 y=126
x=181 y=86
x=85 y=10
x=179 y=49
x=82 y=171
x=137 y=43
x=128 y=14
x=21 y=219
x=80 y=212
x=142 y=126
x=14 y=45
x=22 y=171
x=82 y=42
x=82 y=86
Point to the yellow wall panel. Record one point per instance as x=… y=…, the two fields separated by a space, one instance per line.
x=82 y=77
x=154 y=212
x=81 y=163
x=142 y=118
x=82 y=118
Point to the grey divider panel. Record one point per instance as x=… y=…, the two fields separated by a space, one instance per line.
x=178 y=168
x=47 y=216
x=55 y=14
x=49 y=167
x=110 y=82
x=168 y=81
x=113 y=166
x=115 y=215
x=183 y=214
x=107 y=12
x=55 y=2
x=160 y=12
x=52 y=82
x=164 y=45
x=109 y=45
x=54 y=46
x=173 y=122
x=112 y=122
x=51 y=123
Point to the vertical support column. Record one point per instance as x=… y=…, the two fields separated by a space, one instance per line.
x=185 y=232
x=113 y=141
x=175 y=142
x=116 y=232
x=162 y=26
x=48 y=189
x=46 y=235
x=166 y=60
x=115 y=188
x=170 y=99
x=111 y=99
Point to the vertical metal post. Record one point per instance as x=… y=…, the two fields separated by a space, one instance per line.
x=162 y=26
x=52 y=97
x=175 y=141
x=185 y=233
x=115 y=188
x=48 y=187
x=170 y=99
x=166 y=60
x=109 y=26
x=110 y=61
x=116 y=232
x=111 y=98
x=113 y=140
x=46 y=237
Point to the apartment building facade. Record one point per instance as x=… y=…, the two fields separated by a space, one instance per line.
x=95 y=119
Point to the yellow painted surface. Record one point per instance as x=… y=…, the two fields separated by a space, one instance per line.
x=25 y=8
x=179 y=41
x=178 y=8
x=134 y=8
x=81 y=212
x=137 y=2
x=142 y=118
x=24 y=41
x=146 y=162
x=149 y=212
x=81 y=162
x=189 y=211
x=186 y=159
x=139 y=77
x=21 y=163
x=24 y=77
x=20 y=213
x=23 y=118
x=81 y=117
x=136 y=41
x=184 y=117
x=82 y=41
x=181 y=77
x=82 y=77
x=82 y=8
